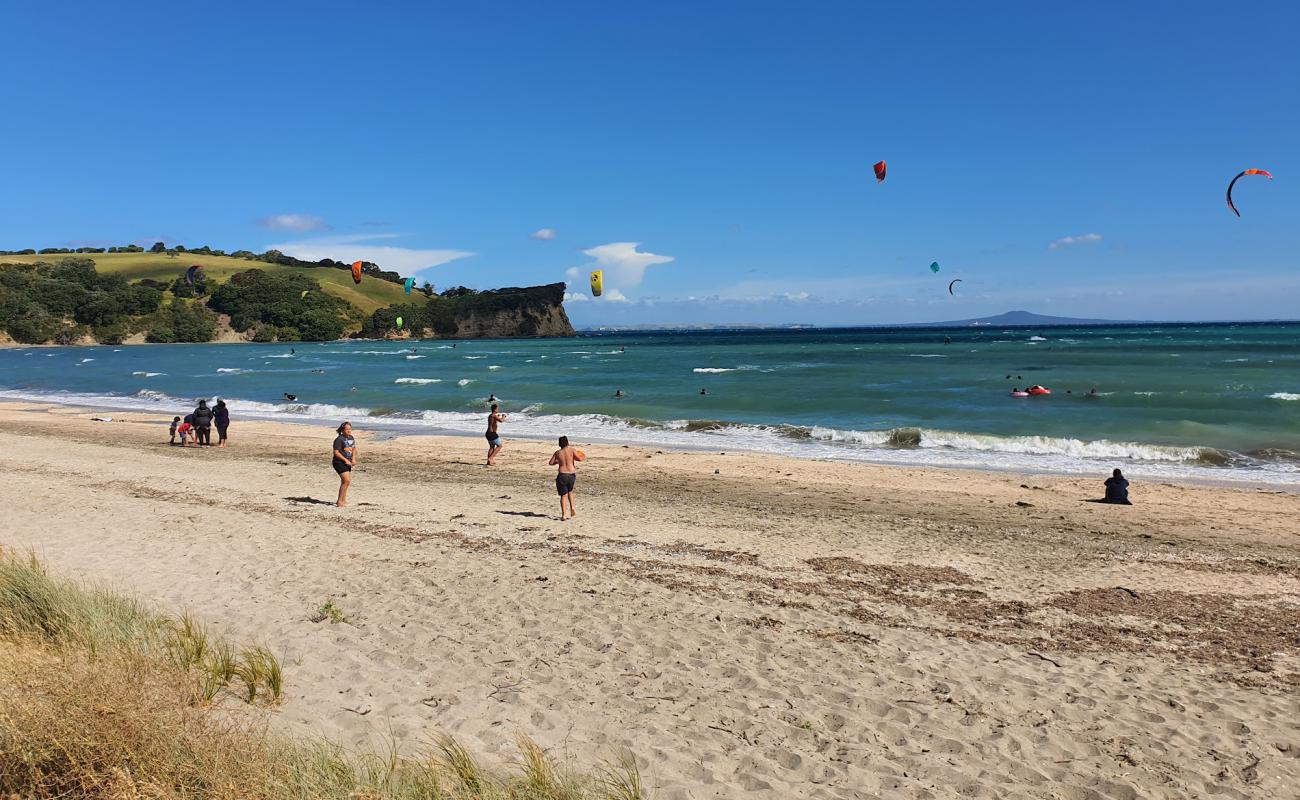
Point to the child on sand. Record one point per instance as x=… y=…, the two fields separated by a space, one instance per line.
x=176 y=423
x=184 y=430
x=345 y=458
x=565 y=459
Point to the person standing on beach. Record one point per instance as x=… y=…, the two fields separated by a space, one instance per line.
x=221 y=417
x=494 y=419
x=345 y=458
x=203 y=423
x=566 y=477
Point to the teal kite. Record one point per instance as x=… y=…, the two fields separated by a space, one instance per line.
x=934 y=266
x=409 y=283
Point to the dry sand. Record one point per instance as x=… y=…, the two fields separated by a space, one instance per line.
x=748 y=626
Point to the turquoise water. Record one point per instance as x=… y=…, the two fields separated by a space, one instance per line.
x=1218 y=401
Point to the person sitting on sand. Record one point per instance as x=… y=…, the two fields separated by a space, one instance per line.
x=494 y=419
x=345 y=458
x=566 y=477
x=1117 y=489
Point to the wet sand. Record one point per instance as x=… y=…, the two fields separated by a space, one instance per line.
x=748 y=626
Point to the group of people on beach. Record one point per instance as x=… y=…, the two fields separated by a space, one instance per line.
x=195 y=428
x=565 y=460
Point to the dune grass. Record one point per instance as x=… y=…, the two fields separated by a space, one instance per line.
x=102 y=697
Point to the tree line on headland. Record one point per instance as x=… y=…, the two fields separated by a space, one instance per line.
x=67 y=300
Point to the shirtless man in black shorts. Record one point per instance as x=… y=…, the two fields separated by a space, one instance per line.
x=493 y=438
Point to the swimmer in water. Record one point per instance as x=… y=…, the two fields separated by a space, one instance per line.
x=492 y=398
x=704 y=391
x=290 y=397
x=619 y=393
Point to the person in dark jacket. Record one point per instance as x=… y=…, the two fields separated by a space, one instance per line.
x=203 y=423
x=221 y=418
x=1117 y=489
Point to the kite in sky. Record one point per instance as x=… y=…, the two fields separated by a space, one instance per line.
x=953 y=282
x=597 y=282
x=1234 y=183
x=880 y=171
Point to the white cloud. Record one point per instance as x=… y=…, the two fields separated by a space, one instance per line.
x=572 y=273
x=1066 y=241
x=366 y=247
x=623 y=264
x=298 y=223
x=575 y=297
x=613 y=296
x=545 y=234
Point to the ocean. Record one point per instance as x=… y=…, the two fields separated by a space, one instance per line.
x=1218 y=402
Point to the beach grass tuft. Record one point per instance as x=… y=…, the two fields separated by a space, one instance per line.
x=102 y=697
x=329 y=610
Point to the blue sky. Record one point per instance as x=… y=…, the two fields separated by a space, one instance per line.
x=714 y=157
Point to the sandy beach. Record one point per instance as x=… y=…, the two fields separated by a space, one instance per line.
x=746 y=625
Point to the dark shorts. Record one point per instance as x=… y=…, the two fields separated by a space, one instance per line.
x=564 y=482
x=221 y=430
x=494 y=439
x=341 y=468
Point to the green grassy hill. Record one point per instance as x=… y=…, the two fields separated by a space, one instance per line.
x=370 y=295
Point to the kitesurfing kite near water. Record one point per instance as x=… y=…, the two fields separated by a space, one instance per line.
x=1234 y=183
x=880 y=171
x=597 y=282
x=952 y=283
x=356 y=272
x=192 y=273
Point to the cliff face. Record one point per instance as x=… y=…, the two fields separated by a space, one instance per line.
x=508 y=323
x=466 y=314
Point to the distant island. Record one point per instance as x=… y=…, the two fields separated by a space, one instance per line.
x=130 y=295
x=1014 y=319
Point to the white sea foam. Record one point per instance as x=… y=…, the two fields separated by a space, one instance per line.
x=464 y=381
x=494 y=366
x=420 y=381
x=926 y=355
x=1037 y=339
x=412 y=358
x=283 y=355
x=911 y=447
x=84 y=360
x=1284 y=396
x=229 y=370
x=1236 y=360
x=713 y=370
x=149 y=374
x=474 y=358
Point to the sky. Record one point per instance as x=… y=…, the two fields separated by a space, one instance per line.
x=714 y=159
